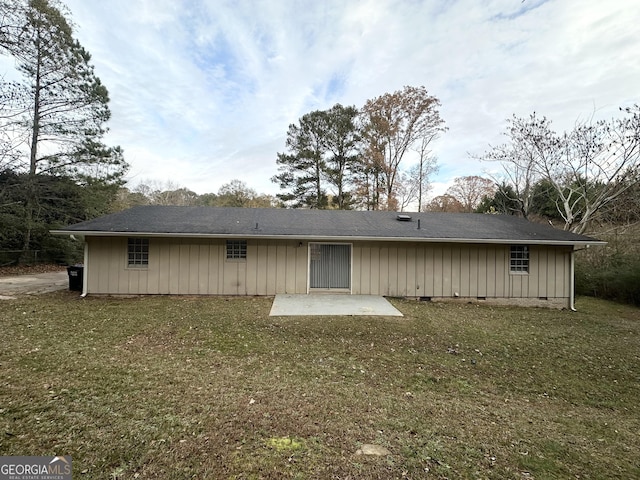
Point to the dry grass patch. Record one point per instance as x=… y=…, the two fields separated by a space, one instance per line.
x=214 y=387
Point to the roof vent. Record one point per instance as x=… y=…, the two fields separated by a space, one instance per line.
x=403 y=218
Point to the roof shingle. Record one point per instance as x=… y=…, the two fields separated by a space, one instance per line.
x=323 y=224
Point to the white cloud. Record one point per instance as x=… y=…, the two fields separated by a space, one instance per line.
x=203 y=92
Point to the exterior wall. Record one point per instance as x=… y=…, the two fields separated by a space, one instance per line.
x=192 y=266
x=459 y=270
x=199 y=266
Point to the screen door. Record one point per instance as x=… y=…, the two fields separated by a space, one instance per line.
x=330 y=266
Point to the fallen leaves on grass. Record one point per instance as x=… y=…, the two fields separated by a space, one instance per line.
x=163 y=387
x=15 y=270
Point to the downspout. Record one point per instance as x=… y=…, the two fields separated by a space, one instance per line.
x=572 y=283
x=573 y=276
x=82 y=238
x=84 y=270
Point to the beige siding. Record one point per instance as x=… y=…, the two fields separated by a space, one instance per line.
x=199 y=266
x=451 y=270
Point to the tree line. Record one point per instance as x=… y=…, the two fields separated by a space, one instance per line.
x=236 y=193
x=354 y=158
x=55 y=168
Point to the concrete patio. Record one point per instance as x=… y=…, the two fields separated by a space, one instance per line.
x=328 y=304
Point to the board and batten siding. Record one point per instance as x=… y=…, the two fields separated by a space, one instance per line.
x=458 y=270
x=412 y=269
x=197 y=267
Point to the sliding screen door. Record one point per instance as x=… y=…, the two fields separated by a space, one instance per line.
x=330 y=266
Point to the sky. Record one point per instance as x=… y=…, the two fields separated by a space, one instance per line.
x=203 y=91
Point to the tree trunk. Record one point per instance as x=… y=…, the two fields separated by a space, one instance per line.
x=30 y=202
x=420 y=180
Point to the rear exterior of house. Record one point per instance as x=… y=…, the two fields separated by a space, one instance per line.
x=408 y=269
x=268 y=252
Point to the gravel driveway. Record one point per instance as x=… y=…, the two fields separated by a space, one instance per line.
x=34 y=284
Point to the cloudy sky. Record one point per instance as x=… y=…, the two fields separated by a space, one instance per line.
x=203 y=91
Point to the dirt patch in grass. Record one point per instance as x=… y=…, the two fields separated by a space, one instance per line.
x=15 y=270
x=169 y=387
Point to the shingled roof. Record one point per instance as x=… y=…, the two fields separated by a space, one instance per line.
x=328 y=225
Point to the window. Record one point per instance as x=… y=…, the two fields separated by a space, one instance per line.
x=236 y=249
x=519 y=259
x=138 y=252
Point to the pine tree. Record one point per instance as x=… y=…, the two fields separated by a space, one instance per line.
x=59 y=109
x=302 y=170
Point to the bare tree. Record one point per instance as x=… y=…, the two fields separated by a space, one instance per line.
x=369 y=179
x=420 y=173
x=518 y=158
x=444 y=203
x=180 y=197
x=393 y=123
x=600 y=161
x=406 y=191
x=237 y=193
x=589 y=167
x=470 y=191
x=153 y=190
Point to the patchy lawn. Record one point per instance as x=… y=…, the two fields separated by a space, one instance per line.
x=163 y=387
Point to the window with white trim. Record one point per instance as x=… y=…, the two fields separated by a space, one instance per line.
x=519 y=259
x=236 y=249
x=137 y=252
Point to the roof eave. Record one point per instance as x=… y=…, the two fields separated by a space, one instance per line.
x=331 y=238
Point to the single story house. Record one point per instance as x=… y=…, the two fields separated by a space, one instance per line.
x=263 y=251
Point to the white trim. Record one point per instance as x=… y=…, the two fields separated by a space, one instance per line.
x=333 y=239
x=309 y=267
x=85 y=271
x=572 y=282
x=350 y=264
x=229 y=259
x=136 y=266
x=511 y=259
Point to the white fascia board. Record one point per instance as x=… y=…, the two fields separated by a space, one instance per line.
x=317 y=238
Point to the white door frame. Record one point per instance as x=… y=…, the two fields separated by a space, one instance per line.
x=336 y=290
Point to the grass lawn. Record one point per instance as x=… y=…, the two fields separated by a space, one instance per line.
x=178 y=388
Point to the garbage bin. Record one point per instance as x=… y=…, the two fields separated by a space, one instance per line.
x=75 y=273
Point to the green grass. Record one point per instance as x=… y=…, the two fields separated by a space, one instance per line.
x=163 y=387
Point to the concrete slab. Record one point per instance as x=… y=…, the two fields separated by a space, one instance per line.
x=327 y=304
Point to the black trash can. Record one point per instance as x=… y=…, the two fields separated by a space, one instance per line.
x=75 y=273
